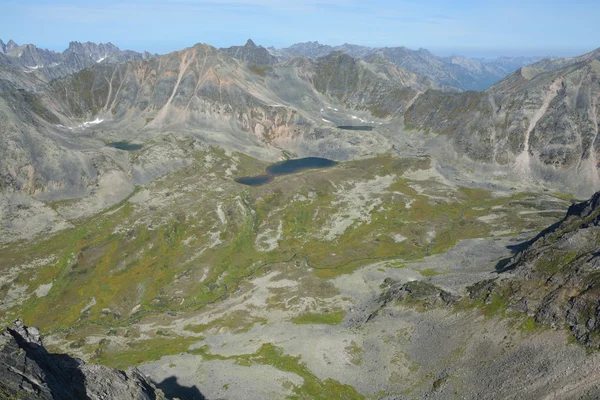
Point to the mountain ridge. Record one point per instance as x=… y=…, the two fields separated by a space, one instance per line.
x=47 y=64
x=462 y=72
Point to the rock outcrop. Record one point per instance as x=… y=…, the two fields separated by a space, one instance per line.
x=417 y=294
x=28 y=371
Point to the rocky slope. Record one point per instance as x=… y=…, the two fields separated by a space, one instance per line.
x=555 y=278
x=30 y=372
x=543 y=125
x=455 y=71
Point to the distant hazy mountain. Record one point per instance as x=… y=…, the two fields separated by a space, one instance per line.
x=551 y=64
x=47 y=64
x=8 y=47
x=461 y=72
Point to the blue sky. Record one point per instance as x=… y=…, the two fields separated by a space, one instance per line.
x=468 y=27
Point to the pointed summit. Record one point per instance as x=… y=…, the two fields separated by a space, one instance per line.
x=11 y=45
x=2 y=47
x=251 y=53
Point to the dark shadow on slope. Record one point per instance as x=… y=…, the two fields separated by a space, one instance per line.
x=61 y=372
x=356 y=127
x=505 y=264
x=172 y=389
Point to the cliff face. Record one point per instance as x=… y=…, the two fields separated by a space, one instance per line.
x=28 y=371
x=556 y=277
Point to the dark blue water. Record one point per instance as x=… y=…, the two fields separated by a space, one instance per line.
x=285 y=168
x=254 y=180
x=125 y=146
x=291 y=166
x=356 y=127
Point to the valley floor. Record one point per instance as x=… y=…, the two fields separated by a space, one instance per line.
x=217 y=289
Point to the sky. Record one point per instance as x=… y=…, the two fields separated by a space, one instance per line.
x=482 y=28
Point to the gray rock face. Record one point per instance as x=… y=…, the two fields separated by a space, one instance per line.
x=29 y=372
x=543 y=124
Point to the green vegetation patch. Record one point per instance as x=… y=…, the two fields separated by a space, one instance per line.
x=312 y=387
x=238 y=321
x=327 y=319
x=429 y=272
x=145 y=351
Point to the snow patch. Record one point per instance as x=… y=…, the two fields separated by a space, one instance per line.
x=86 y=124
x=90 y=123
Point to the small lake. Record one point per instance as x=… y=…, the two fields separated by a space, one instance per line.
x=285 y=168
x=356 y=127
x=125 y=146
x=254 y=180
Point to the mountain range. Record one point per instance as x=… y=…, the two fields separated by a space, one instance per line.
x=47 y=64
x=460 y=72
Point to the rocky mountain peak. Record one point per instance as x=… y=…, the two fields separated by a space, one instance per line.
x=74 y=46
x=11 y=45
x=421 y=50
x=251 y=53
x=2 y=47
x=340 y=57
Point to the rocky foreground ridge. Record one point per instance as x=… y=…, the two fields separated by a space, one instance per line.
x=28 y=371
x=555 y=277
